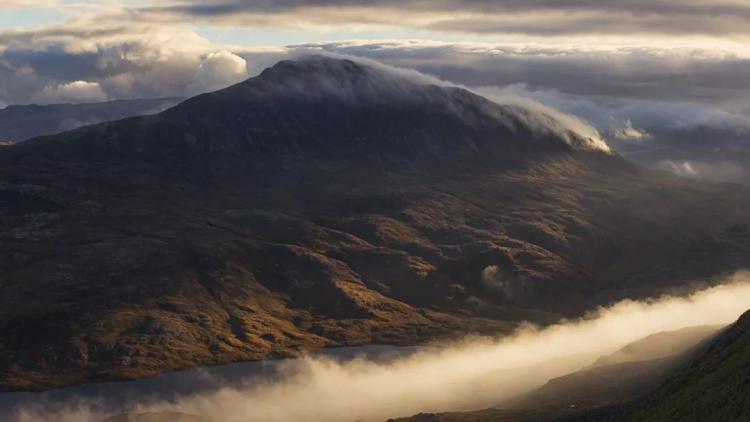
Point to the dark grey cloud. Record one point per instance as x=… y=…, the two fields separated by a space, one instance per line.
x=643 y=7
x=544 y=17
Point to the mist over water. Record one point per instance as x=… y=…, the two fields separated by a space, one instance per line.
x=471 y=373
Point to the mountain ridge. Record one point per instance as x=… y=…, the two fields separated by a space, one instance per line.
x=22 y=122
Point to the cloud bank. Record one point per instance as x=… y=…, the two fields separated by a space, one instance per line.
x=645 y=71
x=216 y=71
x=77 y=62
x=472 y=373
x=538 y=18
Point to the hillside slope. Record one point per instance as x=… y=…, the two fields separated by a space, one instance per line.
x=623 y=376
x=714 y=387
x=598 y=392
x=709 y=383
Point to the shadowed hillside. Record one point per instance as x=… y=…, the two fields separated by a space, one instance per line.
x=714 y=387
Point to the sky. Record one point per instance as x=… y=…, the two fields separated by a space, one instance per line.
x=627 y=66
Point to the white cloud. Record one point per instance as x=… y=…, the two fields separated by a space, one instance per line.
x=548 y=118
x=627 y=132
x=720 y=170
x=680 y=168
x=218 y=70
x=73 y=92
x=23 y=4
x=138 y=61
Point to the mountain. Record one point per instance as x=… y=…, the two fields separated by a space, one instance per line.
x=22 y=122
x=328 y=202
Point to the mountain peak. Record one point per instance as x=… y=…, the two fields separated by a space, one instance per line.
x=341 y=69
x=317 y=77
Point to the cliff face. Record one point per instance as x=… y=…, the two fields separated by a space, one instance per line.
x=327 y=202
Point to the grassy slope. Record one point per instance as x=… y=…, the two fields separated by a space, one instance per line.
x=596 y=394
x=716 y=387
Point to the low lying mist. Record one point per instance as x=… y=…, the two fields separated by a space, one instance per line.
x=471 y=373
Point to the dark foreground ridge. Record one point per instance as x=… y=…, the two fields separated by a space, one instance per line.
x=714 y=387
x=324 y=203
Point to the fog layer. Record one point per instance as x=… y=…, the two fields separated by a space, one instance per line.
x=471 y=373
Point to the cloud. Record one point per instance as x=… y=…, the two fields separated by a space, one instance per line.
x=125 y=61
x=705 y=168
x=627 y=132
x=23 y=4
x=218 y=70
x=471 y=373
x=680 y=168
x=547 y=117
x=73 y=92
x=636 y=118
x=537 y=18
x=137 y=51
x=614 y=72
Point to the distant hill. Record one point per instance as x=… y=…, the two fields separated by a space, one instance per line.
x=660 y=345
x=622 y=376
x=21 y=122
